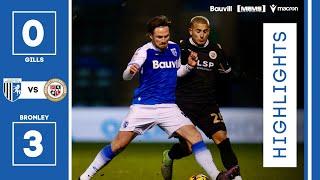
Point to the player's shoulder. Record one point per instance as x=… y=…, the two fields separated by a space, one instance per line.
x=219 y=45
x=174 y=48
x=183 y=43
x=215 y=45
x=144 y=48
x=172 y=44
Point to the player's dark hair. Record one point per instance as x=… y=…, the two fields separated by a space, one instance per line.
x=157 y=21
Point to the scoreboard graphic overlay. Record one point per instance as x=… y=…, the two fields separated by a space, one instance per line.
x=34 y=75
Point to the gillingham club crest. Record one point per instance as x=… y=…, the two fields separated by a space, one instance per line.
x=55 y=90
x=12 y=88
x=174 y=52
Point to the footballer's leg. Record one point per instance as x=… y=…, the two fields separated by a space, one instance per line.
x=199 y=149
x=214 y=128
x=166 y=166
x=181 y=149
x=228 y=157
x=174 y=122
x=107 y=153
x=177 y=151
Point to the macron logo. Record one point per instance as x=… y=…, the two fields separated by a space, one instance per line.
x=283 y=9
x=165 y=64
x=273 y=7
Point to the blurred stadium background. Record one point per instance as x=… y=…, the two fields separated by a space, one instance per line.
x=105 y=36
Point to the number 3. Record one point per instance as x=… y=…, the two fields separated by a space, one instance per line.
x=33 y=143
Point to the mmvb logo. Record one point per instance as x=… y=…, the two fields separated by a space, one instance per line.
x=251 y=9
x=12 y=88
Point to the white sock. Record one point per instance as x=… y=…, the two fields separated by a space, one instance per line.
x=204 y=158
x=102 y=159
x=238 y=178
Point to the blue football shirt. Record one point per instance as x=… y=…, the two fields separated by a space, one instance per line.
x=158 y=74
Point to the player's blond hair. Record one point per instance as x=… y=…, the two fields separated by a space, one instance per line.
x=199 y=19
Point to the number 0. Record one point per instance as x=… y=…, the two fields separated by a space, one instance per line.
x=33 y=143
x=26 y=30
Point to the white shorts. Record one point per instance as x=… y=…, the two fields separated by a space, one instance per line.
x=141 y=118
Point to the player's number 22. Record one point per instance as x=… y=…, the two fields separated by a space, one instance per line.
x=26 y=33
x=35 y=139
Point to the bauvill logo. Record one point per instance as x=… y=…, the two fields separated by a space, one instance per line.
x=220 y=9
x=164 y=64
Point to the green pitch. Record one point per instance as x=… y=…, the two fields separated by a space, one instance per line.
x=142 y=162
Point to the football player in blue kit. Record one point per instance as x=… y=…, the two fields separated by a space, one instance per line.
x=158 y=64
x=196 y=97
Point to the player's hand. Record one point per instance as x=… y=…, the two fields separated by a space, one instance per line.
x=193 y=58
x=134 y=68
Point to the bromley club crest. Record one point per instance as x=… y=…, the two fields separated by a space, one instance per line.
x=55 y=90
x=12 y=88
x=212 y=54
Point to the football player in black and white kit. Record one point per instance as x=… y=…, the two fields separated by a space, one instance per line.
x=196 y=97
